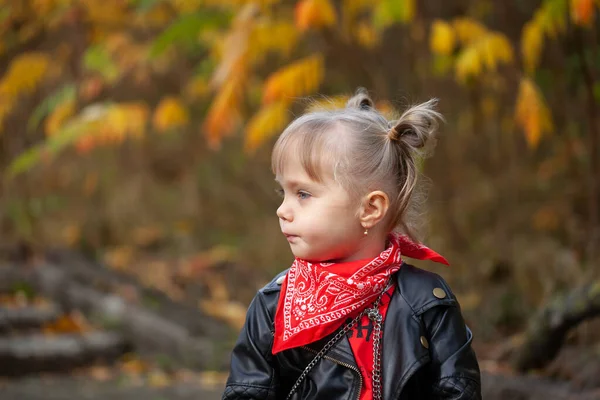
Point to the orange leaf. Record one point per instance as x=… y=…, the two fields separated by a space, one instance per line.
x=85 y=144
x=532 y=114
x=582 y=11
x=224 y=115
x=314 y=14
x=67 y=323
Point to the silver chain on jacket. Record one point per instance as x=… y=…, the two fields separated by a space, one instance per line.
x=374 y=315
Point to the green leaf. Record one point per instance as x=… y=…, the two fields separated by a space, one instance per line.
x=65 y=93
x=97 y=59
x=388 y=12
x=185 y=30
x=596 y=90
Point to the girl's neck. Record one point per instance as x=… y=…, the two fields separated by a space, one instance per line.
x=369 y=248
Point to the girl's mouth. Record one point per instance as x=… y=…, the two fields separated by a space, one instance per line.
x=290 y=238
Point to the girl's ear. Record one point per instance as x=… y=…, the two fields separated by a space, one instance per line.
x=373 y=208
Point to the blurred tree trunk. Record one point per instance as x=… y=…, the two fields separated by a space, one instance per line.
x=548 y=329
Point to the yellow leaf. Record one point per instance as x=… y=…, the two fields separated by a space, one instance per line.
x=59 y=115
x=442 y=39
x=269 y=120
x=297 y=79
x=582 y=11
x=495 y=49
x=531 y=113
x=24 y=74
x=270 y=36
x=314 y=14
x=531 y=45
x=169 y=114
x=549 y=19
x=366 y=35
x=468 y=30
x=487 y=51
x=468 y=63
x=119 y=122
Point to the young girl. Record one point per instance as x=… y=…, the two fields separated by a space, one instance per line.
x=350 y=319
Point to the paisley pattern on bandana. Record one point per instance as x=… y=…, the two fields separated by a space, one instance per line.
x=316 y=298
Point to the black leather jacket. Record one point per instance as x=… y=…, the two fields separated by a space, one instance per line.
x=426 y=353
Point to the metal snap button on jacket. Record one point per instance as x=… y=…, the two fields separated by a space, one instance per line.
x=439 y=293
x=424 y=342
x=279 y=280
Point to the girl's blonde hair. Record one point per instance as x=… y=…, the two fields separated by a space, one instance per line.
x=365 y=151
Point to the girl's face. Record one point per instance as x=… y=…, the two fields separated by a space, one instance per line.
x=319 y=219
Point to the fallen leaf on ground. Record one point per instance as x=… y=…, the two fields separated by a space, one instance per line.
x=158 y=379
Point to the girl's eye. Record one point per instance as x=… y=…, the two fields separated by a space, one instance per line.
x=280 y=192
x=303 y=195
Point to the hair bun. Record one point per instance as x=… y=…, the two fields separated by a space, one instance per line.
x=397 y=131
x=360 y=100
x=417 y=125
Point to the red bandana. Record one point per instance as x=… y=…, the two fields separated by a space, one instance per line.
x=316 y=298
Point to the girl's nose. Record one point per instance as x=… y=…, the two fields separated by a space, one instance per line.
x=284 y=212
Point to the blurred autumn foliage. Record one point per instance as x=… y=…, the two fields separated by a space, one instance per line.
x=144 y=126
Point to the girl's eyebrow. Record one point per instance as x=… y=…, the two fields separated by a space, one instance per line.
x=291 y=183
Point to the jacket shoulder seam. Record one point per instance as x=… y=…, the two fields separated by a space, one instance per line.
x=409 y=273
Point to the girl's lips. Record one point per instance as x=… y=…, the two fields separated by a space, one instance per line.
x=289 y=237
